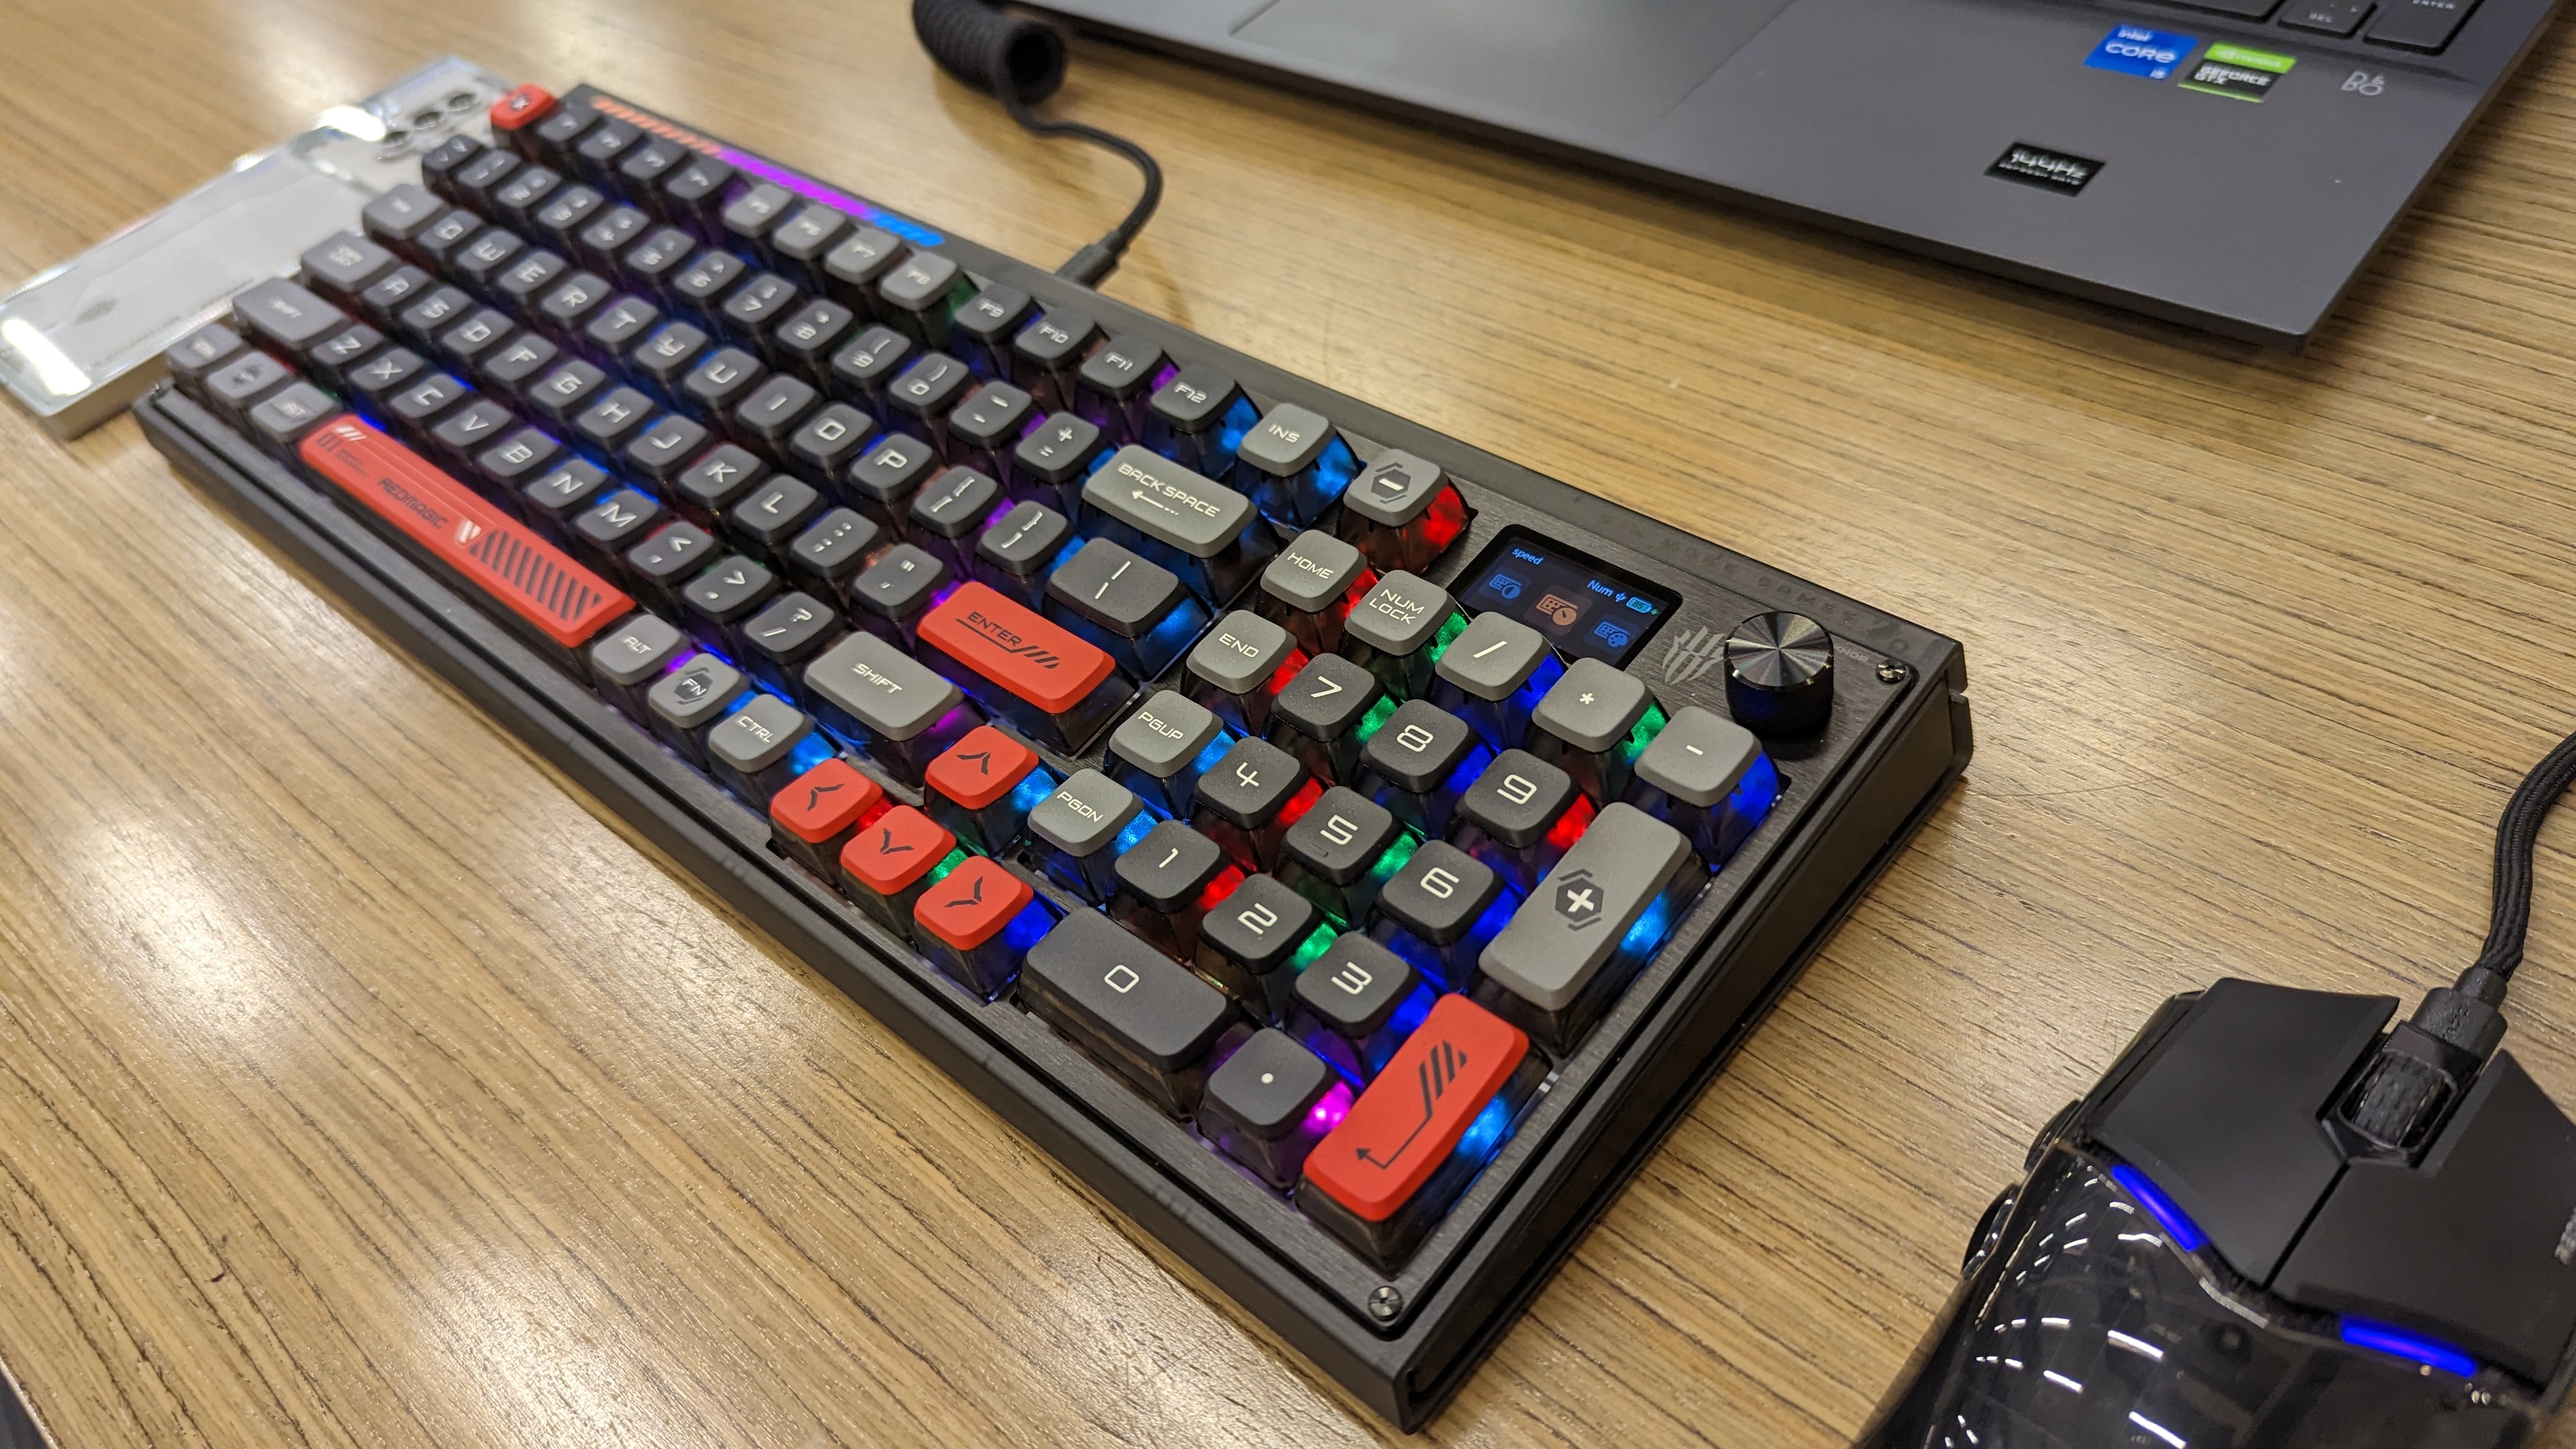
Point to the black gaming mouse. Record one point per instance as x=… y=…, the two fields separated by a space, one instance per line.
x=2276 y=1223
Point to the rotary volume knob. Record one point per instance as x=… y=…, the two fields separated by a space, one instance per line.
x=1780 y=674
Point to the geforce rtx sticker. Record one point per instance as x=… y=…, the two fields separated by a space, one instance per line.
x=2238 y=72
x=2049 y=170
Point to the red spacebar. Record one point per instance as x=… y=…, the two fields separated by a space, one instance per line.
x=526 y=573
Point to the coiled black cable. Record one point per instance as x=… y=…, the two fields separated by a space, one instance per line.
x=1020 y=62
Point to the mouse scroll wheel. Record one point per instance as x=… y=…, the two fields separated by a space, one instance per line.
x=2396 y=1101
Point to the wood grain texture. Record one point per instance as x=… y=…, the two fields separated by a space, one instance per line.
x=361 y=1083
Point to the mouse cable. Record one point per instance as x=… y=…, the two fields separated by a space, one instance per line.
x=1020 y=62
x=2468 y=1015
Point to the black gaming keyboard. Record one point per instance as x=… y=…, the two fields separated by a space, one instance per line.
x=1346 y=850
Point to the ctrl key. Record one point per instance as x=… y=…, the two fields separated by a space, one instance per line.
x=1129 y=1006
x=1422 y=1131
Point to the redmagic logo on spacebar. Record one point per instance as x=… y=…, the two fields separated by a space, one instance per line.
x=530 y=576
x=1012 y=646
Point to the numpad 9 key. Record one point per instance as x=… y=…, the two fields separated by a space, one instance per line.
x=1343 y=848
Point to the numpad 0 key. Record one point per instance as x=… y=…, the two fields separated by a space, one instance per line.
x=1334 y=843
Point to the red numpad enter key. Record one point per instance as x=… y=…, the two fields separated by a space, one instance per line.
x=1410 y=1119
x=1015 y=648
x=528 y=575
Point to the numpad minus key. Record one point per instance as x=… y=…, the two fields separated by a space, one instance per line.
x=776 y=518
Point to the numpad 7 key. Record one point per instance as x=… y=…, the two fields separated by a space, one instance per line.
x=1344 y=849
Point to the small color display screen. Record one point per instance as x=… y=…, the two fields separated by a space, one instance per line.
x=1584 y=608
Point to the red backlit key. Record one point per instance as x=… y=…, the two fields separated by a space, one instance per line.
x=519 y=110
x=974 y=789
x=819 y=810
x=1057 y=688
x=969 y=926
x=531 y=577
x=1396 y=1163
x=888 y=864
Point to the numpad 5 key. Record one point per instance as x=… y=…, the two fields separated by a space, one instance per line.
x=1344 y=849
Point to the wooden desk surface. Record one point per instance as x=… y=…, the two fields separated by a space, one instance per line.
x=360 y=1082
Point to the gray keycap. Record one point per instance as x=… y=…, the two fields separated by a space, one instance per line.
x=877 y=685
x=1393 y=490
x=1115 y=990
x=1312 y=572
x=1569 y=927
x=1592 y=708
x=637 y=652
x=1163 y=500
x=1241 y=653
x=1084 y=814
x=1401 y=614
x=1164 y=734
x=1270 y=1084
x=760 y=734
x=1356 y=986
x=696 y=692
x=288 y=315
x=1283 y=443
x=404 y=212
x=1492 y=657
x=1699 y=758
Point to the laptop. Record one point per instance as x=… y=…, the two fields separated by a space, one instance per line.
x=2228 y=166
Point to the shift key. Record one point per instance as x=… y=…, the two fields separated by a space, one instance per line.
x=1129 y=1005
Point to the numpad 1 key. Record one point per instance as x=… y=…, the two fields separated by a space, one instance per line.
x=1330 y=841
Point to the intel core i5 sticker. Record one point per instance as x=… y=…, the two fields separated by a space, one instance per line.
x=2238 y=72
x=2136 y=50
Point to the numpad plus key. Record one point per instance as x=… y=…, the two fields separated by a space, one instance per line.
x=1339 y=847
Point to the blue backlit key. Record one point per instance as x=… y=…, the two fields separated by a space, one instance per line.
x=1356 y=1004
x=1294 y=465
x=1419 y=761
x=1134 y=609
x=1599 y=916
x=1081 y=829
x=1439 y=909
x=1708 y=777
x=760 y=747
x=1492 y=675
x=1594 y=724
x=1168 y=882
x=1161 y=750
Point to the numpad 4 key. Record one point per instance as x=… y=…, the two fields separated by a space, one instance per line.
x=1344 y=849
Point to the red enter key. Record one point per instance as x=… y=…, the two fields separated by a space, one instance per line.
x=1013 y=647
x=528 y=575
x=1410 y=1119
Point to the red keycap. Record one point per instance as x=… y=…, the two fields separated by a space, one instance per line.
x=522 y=107
x=532 y=577
x=1410 y=1119
x=1015 y=648
x=981 y=768
x=898 y=850
x=824 y=801
x=973 y=903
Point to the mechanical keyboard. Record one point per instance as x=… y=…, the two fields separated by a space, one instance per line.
x=1343 y=849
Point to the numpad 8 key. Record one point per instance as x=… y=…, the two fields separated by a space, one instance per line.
x=1342 y=847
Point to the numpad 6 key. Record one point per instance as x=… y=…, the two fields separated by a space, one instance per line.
x=1343 y=848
